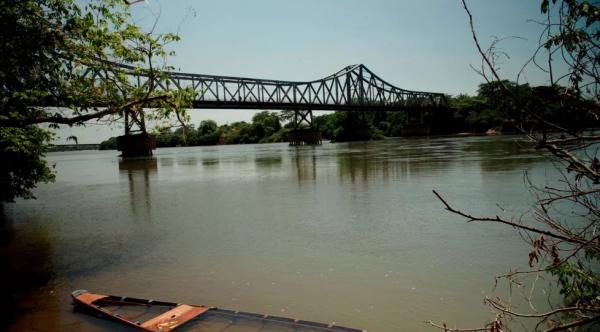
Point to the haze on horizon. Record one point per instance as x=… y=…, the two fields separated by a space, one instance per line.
x=417 y=45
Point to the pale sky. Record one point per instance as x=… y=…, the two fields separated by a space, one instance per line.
x=416 y=45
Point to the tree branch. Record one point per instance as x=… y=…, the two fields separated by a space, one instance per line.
x=447 y=329
x=503 y=221
x=476 y=40
x=575 y=323
x=500 y=307
x=81 y=118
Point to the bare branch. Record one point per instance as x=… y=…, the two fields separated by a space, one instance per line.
x=575 y=323
x=502 y=308
x=476 y=40
x=503 y=221
x=447 y=329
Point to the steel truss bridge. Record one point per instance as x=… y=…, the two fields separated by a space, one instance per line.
x=354 y=88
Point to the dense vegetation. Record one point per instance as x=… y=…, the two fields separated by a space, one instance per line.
x=265 y=128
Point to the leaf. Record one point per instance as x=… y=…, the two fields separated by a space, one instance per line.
x=544 y=7
x=72 y=138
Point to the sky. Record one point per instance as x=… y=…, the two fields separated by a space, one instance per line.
x=417 y=45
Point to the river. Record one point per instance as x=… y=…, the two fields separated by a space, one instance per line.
x=347 y=233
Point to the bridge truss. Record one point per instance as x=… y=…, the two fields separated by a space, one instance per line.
x=354 y=88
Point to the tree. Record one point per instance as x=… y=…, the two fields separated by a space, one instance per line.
x=564 y=232
x=207 y=127
x=207 y=133
x=21 y=167
x=344 y=126
x=63 y=64
x=488 y=109
x=265 y=124
x=109 y=144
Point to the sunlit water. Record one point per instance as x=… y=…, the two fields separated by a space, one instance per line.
x=348 y=232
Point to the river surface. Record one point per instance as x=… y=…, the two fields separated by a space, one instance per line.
x=349 y=233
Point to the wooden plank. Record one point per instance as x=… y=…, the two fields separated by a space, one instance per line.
x=173 y=318
x=89 y=298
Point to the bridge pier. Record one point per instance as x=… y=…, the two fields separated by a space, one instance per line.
x=417 y=123
x=304 y=135
x=135 y=142
x=138 y=145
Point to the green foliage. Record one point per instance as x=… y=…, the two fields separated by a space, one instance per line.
x=397 y=122
x=207 y=127
x=579 y=284
x=207 y=134
x=474 y=114
x=353 y=126
x=577 y=36
x=328 y=123
x=109 y=144
x=22 y=166
x=347 y=126
x=240 y=133
x=490 y=108
x=495 y=107
x=279 y=136
x=265 y=124
x=50 y=48
x=166 y=138
x=265 y=128
x=286 y=116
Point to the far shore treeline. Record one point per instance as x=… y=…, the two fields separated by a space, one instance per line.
x=490 y=111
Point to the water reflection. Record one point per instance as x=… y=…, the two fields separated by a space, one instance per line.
x=406 y=158
x=187 y=161
x=138 y=173
x=505 y=154
x=211 y=162
x=268 y=161
x=392 y=159
x=167 y=162
x=354 y=163
x=26 y=262
x=305 y=160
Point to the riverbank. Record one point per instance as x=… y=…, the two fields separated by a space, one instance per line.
x=110 y=146
x=73 y=147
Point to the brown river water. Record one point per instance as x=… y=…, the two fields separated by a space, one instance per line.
x=347 y=233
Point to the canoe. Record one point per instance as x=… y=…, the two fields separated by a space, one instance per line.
x=160 y=316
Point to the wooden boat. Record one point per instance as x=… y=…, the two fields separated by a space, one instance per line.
x=160 y=316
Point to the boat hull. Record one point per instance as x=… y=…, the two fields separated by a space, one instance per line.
x=150 y=315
